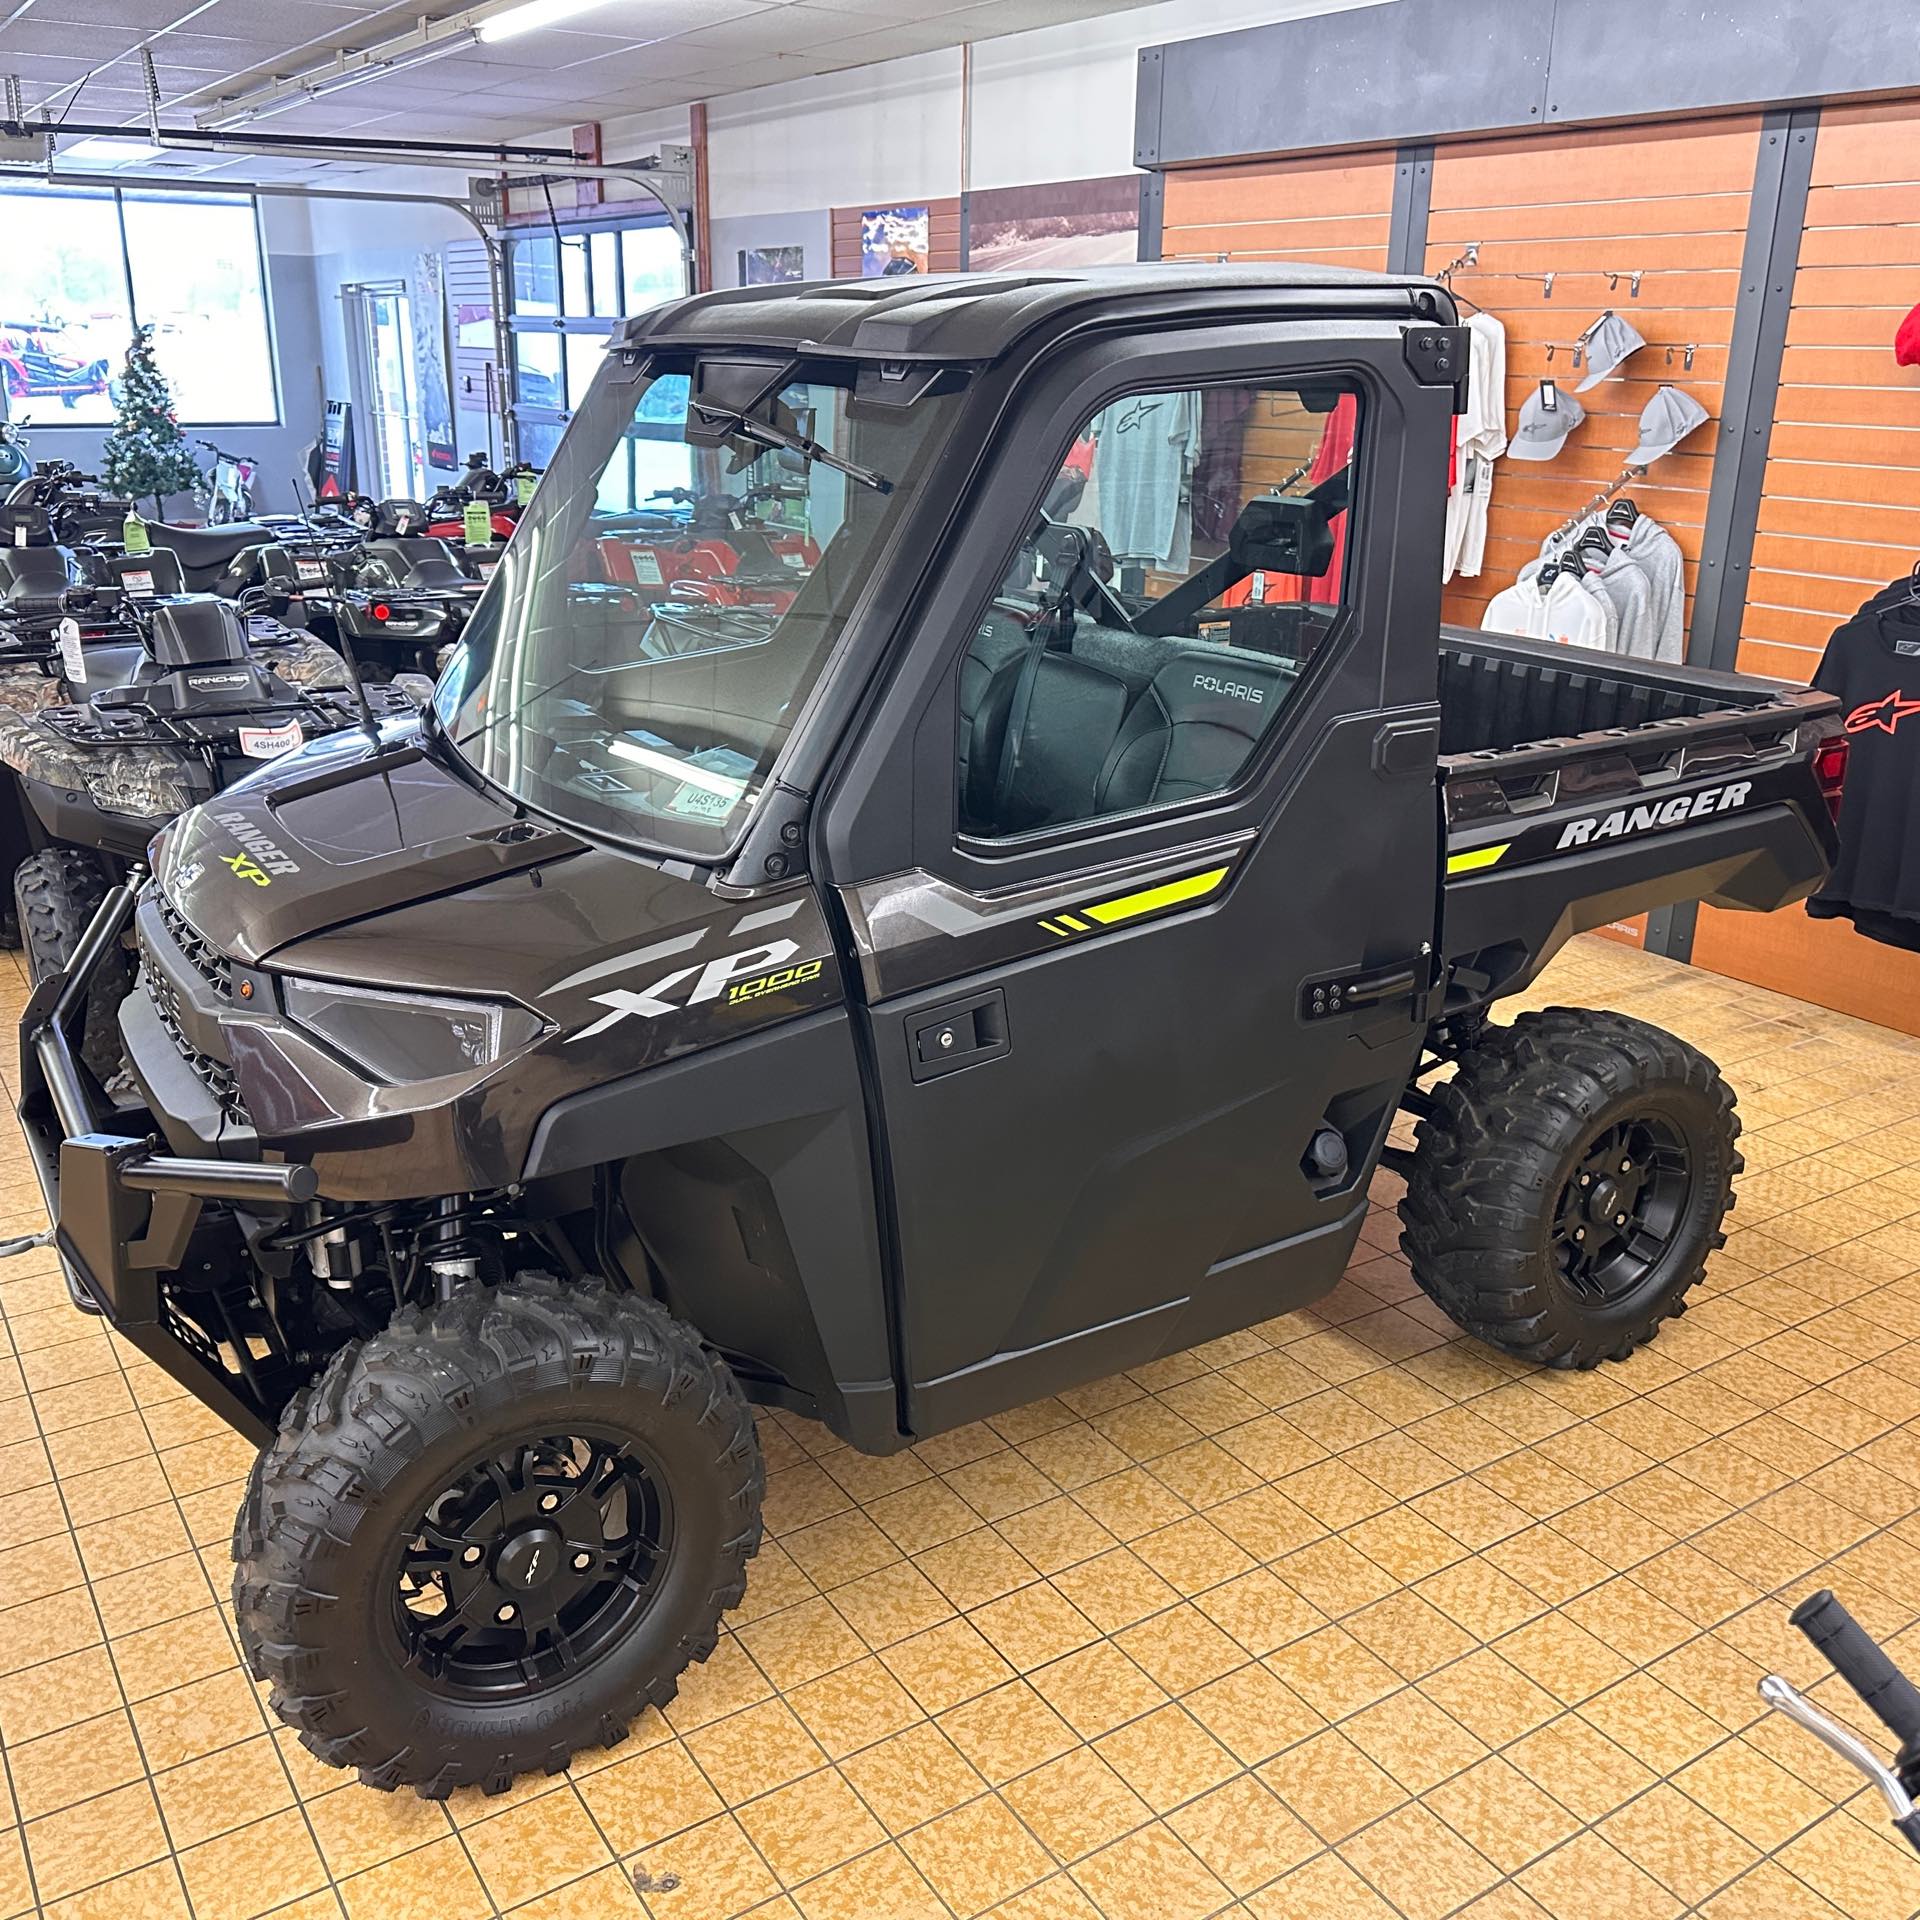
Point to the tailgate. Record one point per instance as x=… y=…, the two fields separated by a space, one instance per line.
x=1551 y=839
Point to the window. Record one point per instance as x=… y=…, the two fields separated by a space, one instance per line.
x=570 y=293
x=1187 y=564
x=637 y=673
x=81 y=269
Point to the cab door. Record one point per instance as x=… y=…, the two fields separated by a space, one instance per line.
x=1142 y=998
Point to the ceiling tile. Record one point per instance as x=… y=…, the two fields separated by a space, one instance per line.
x=91 y=44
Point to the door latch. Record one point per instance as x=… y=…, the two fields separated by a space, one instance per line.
x=960 y=1034
x=1329 y=995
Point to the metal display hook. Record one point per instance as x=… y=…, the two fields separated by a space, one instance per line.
x=1628 y=476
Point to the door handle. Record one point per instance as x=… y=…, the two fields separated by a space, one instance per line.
x=1327 y=997
x=962 y=1033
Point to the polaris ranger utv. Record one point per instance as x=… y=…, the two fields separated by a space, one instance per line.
x=999 y=970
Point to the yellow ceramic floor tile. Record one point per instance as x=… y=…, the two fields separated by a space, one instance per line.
x=1341 y=1617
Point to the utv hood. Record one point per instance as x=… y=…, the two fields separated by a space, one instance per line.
x=336 y=833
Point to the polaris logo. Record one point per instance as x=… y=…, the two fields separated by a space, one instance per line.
x=1232 y=689
x=1659 y=813
x=271 y=856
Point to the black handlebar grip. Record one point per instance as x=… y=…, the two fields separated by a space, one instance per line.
x=1858 y=1659
x=38 y=606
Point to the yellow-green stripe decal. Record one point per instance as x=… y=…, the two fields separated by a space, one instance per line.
x=1073 y=921
x=1479 y=859
x=1196 y=886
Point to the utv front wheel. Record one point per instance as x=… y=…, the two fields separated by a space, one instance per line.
x=488 y=1536
x=1569 y=1183
x=56 y=892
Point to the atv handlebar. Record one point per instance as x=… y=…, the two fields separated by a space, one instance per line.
x=1860 y=1661
x=1863 y=1664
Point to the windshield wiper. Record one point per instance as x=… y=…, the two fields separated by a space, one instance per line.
x=763 y=433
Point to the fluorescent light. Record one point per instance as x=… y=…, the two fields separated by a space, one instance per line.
x=112 y=150
x=724 y=785
x=532 y=16
x=378 y=69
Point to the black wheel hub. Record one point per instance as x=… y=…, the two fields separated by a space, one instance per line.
x=534 y=1562
x=1621 y=1208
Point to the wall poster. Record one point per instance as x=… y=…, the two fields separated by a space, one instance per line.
x=894 y=240
x=1064 y=223
x=428 y=308
x=771 y=266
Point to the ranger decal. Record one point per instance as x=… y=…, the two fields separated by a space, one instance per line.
x=1657 y=813
x=270 y=856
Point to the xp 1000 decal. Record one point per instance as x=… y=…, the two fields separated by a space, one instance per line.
x=777 y=969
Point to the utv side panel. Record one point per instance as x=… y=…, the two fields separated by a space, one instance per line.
x=748 y=1177
x=1115 y=1166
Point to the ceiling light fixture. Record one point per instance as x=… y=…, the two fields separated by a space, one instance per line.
x=531 y=17
x=109 y=150
x=287 y=93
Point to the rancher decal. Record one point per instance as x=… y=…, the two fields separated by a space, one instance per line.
x=1659 y=813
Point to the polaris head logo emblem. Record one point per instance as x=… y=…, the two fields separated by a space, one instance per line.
x=1659 y=813
x=1231 y=689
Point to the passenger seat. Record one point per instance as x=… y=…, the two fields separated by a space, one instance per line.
x=1191 y=731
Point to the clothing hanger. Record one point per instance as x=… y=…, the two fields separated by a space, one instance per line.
x=1628 y=475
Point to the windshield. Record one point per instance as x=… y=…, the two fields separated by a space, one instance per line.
x=677 y=585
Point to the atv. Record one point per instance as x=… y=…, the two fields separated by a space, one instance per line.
x=398 y=597
x=117 y=712
x=975 y=979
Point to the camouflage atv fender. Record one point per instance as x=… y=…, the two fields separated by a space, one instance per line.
x=301 y=661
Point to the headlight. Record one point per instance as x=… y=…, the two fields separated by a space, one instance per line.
x=410 y=1036
x=121 y=781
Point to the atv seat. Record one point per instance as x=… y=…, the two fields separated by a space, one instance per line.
x=202 y=548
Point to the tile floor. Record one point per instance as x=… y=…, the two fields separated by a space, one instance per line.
x=1342 y=1618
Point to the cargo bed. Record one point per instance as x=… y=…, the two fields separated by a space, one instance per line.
x=1579 y=789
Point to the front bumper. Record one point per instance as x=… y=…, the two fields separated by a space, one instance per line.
x=124 y=1212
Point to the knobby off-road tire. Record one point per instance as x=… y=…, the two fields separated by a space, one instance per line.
x=56 y=892
x=1550 y=1132
x=378 y=1448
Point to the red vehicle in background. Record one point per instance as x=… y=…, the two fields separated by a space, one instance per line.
x=710 y=548
x=504 y=494
x=34 y=367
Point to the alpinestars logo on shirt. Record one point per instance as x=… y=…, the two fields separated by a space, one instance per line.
x=1136 y=415
x=1885 y=714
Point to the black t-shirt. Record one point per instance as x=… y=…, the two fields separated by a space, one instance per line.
x=1873 y=664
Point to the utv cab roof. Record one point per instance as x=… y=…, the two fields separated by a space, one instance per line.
x=973 y=317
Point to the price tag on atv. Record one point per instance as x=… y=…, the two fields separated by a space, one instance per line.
x=646 y=568
x=137 y=580
x=269 y=743
x=73 y=656
x=311 y=569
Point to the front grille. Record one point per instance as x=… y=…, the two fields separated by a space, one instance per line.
x=203 y=956
x=215 y=1075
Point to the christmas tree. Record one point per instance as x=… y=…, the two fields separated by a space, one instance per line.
x=145 y=456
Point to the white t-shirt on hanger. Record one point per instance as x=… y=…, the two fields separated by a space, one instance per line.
x=1481 y=440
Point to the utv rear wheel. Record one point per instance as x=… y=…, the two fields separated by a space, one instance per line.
x=488 y=1536
x=1569 y=1183
x=56 y=892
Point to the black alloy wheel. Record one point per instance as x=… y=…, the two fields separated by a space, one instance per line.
x=538 y=1558
x=1619 y=1213
x=490 y=1534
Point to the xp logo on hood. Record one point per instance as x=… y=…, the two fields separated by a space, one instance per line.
x=747 y=974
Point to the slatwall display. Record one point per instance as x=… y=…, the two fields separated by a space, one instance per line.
x=1840 y=513
x=943 y=235
x=1332 y=210
x=1670 y=203
x=1841 y=508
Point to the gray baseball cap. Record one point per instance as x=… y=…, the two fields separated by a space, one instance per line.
x=1543 y=428
x=1609 y=341
x=1665 y=421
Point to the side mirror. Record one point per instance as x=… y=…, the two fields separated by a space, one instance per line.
x=1283 y=533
